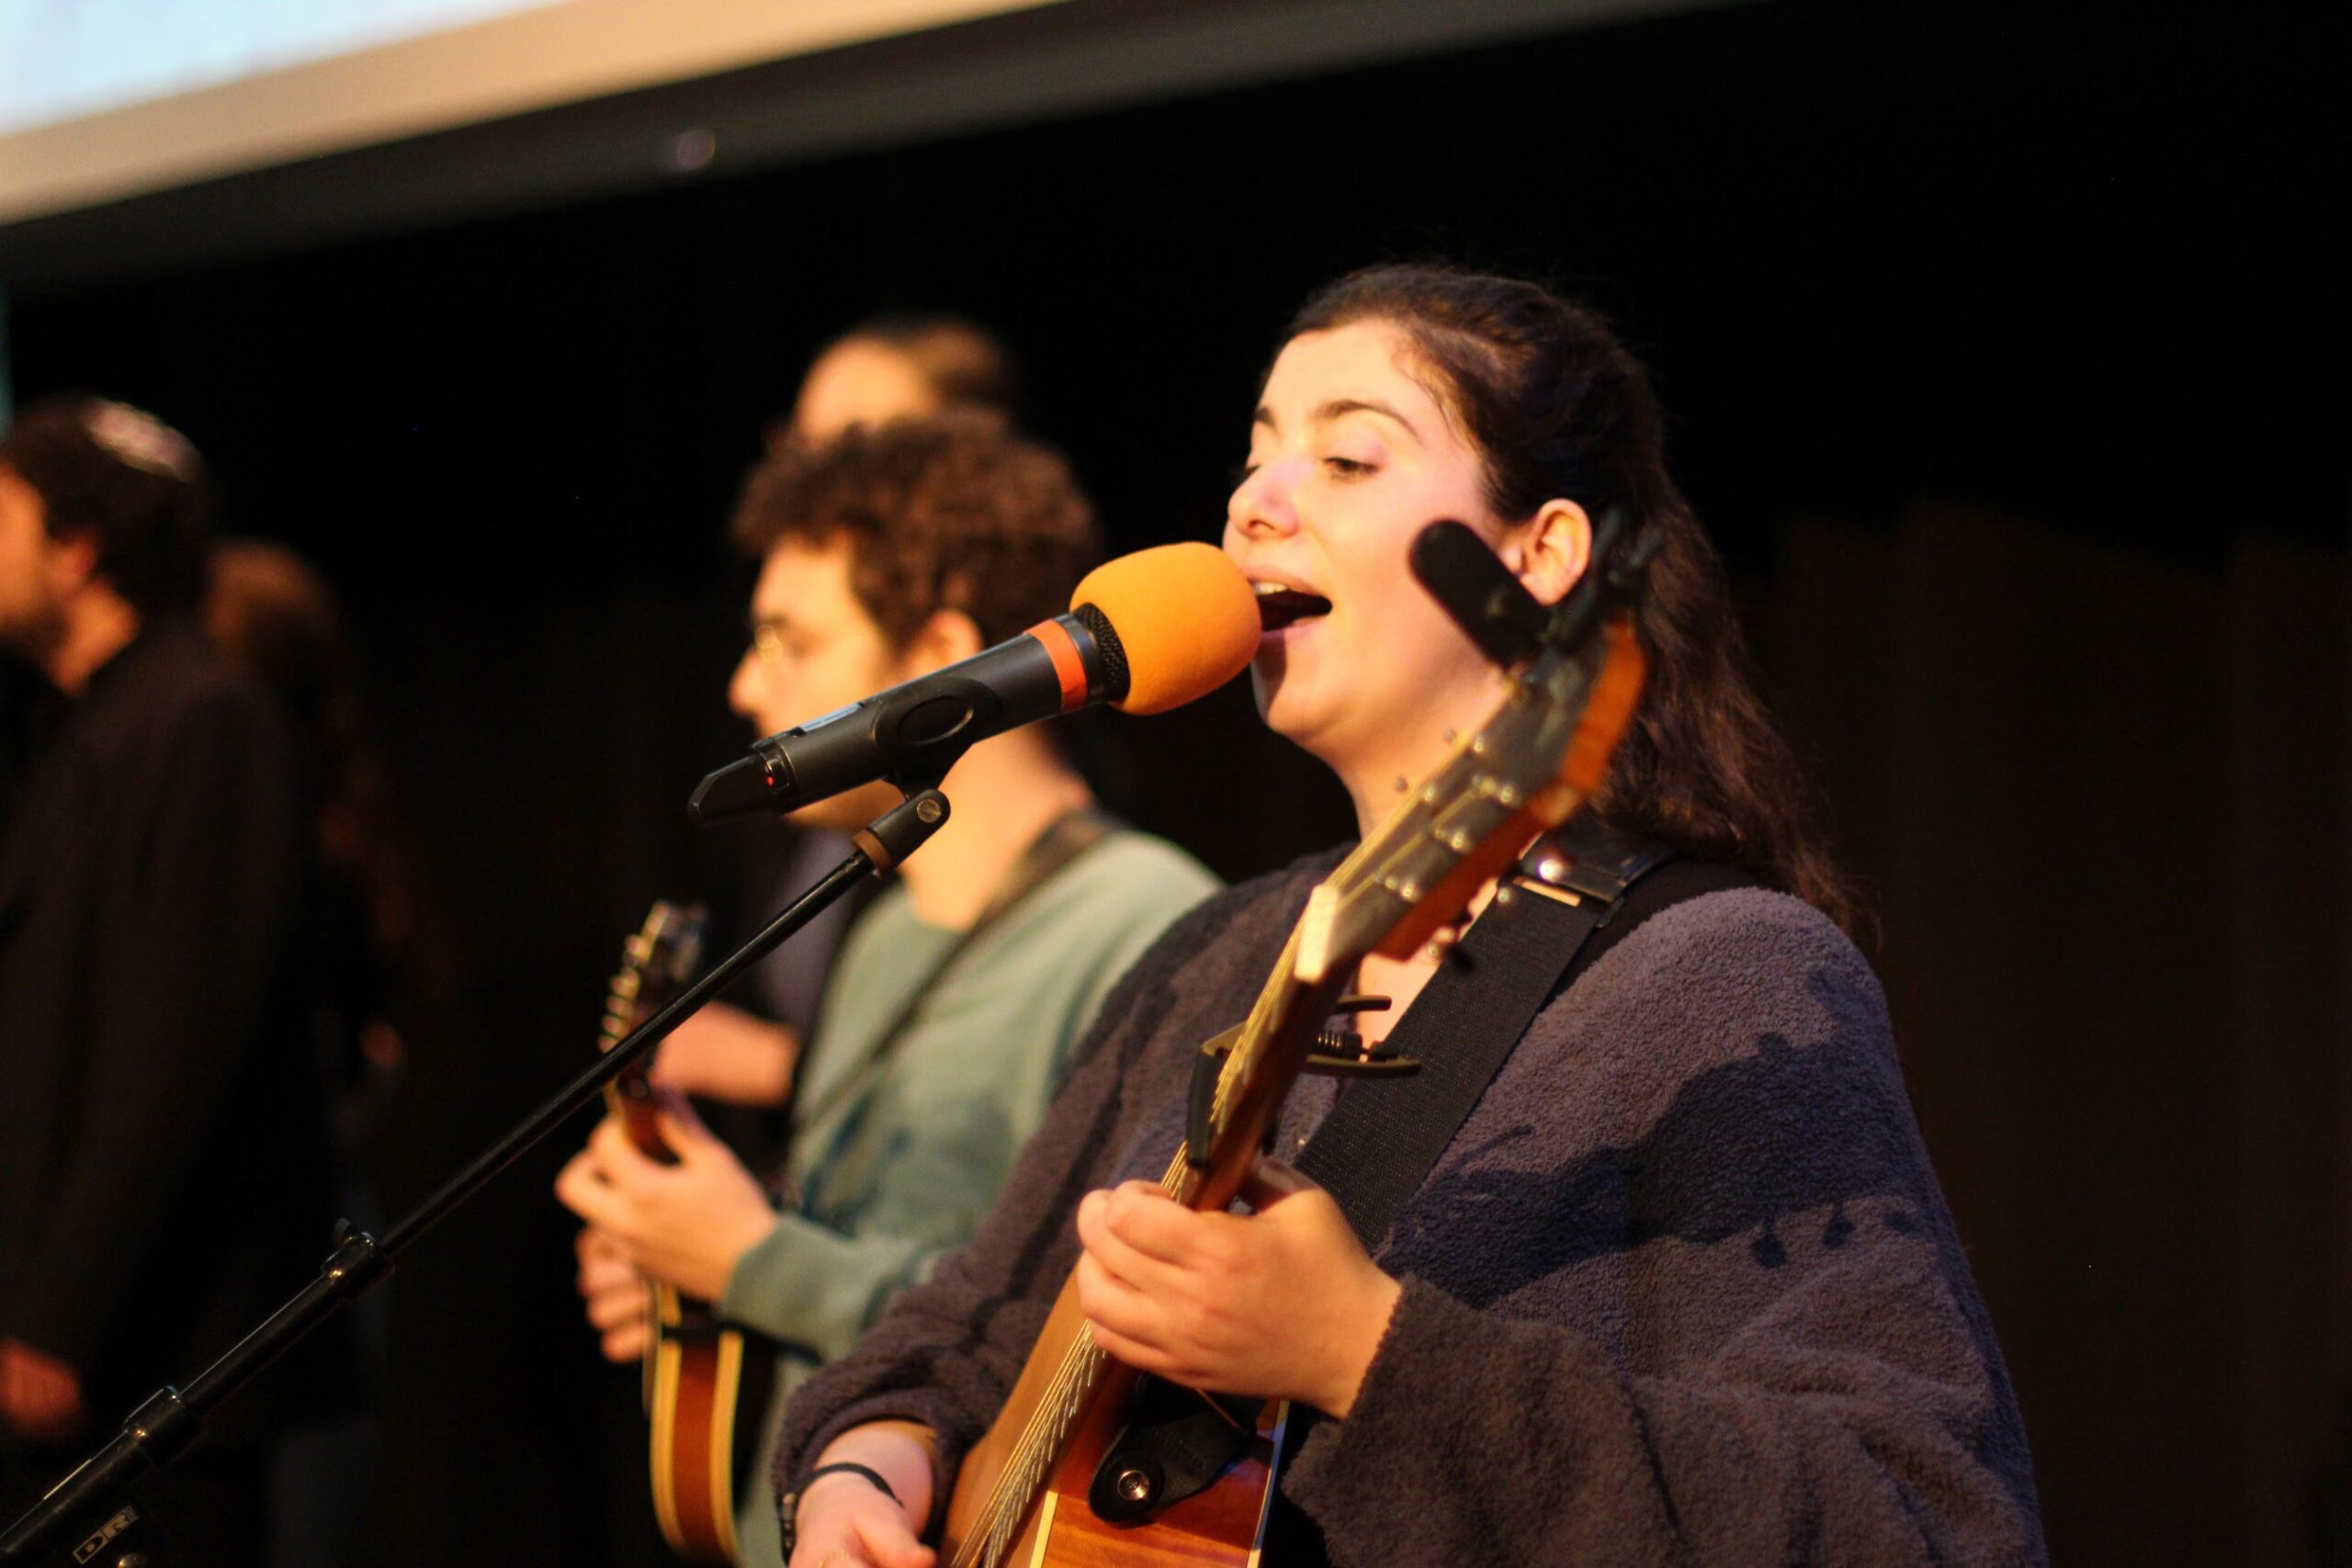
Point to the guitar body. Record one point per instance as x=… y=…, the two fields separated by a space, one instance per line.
x=705 y=1382
x=1224 y=1525
x=703 y=1409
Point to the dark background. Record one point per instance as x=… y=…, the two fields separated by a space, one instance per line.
x=2004 y=353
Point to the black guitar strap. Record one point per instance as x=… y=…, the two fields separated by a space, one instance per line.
x=1572 y=899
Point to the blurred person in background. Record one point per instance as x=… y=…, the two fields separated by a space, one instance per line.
x=275 y=615
x=901 y=366
x=26 y=695
x=164 y=1182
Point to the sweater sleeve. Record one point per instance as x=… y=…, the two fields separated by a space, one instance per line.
x=810 y=1286
x=815 y=1285
x=1789 y=1362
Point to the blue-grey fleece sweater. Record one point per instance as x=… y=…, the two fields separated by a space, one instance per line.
x=1683 y=1289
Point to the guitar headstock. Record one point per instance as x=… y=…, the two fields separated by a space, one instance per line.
x=1536 y=759
x=660 y=957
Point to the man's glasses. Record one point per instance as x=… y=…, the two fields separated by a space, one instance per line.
x=768 y=640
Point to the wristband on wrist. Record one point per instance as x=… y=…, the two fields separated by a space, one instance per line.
x=788 y=1507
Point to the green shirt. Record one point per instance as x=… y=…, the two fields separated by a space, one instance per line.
x=902 y=1164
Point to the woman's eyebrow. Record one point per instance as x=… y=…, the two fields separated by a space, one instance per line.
x=1340 y=406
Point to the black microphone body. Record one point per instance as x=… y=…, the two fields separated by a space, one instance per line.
x=913 y=733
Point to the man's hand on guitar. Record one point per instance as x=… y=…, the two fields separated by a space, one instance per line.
x=724 y=1053
x=614 y=1293
x=1280 y=1304
x=686 y=1224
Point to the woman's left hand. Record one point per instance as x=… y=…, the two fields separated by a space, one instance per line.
x=1282 y=1304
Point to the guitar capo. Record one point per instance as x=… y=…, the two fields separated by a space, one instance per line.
x=1509 y=626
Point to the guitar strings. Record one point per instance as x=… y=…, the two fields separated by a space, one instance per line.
x=1025 y=1473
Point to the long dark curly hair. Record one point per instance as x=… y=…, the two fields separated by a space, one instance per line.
x=1559 y=408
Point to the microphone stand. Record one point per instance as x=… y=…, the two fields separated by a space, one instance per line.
x=170 y=1419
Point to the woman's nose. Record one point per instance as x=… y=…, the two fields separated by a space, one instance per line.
x=1261 y=504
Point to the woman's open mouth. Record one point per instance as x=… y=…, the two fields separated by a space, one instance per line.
x=1280 y=606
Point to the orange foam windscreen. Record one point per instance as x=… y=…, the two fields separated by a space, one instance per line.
x=1185 y=616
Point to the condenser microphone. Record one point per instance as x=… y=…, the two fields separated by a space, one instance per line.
x=1145 y=633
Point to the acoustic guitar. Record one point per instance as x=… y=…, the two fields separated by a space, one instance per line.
x=1031 y=1491
x=699 y=1399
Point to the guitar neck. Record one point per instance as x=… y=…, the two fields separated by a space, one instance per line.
x=654 y=963
x=629 y=1099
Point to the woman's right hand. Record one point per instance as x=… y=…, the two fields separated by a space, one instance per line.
x=845 y=1521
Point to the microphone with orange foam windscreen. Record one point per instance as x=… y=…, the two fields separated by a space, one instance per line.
x=1145 y=633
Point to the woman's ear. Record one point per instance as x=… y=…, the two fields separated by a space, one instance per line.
x=1550 y=551
x=949 y=636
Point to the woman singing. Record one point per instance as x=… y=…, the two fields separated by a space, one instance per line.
x=1682 y=1288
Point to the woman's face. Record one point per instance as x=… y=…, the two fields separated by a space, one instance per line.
x=1350 y=457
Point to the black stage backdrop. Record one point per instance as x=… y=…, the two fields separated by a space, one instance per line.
x=2003 y=358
